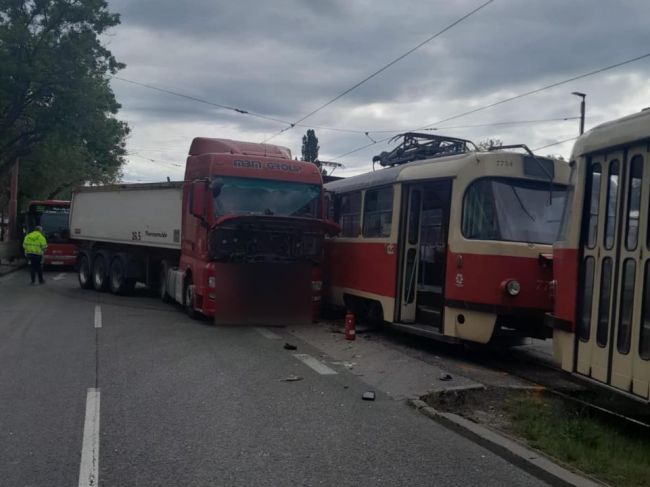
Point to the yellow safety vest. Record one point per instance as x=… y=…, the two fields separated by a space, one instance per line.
x=34 y=243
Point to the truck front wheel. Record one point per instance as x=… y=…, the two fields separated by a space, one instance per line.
x=99 y=273
x=188 y=300
x=85 y=277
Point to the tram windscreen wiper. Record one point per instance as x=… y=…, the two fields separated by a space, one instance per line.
x=521 y=203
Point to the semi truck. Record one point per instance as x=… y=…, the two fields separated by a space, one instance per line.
x=240 y=239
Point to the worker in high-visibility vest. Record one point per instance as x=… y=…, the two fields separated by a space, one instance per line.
x=34 y=245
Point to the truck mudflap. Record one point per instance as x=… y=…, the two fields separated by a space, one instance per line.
x=263 y=293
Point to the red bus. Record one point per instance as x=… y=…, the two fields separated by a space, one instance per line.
x=52 y=215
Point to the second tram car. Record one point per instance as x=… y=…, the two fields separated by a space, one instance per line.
x=448 y=242
x=601 y=318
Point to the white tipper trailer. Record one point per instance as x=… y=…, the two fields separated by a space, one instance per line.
x=124 y=232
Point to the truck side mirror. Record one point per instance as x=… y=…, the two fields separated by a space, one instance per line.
x=198 y=199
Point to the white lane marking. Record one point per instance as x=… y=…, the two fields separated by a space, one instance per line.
x=268 y=334
x=98 y=316
x=317 y=365
x=59 y=277
x=89 y=467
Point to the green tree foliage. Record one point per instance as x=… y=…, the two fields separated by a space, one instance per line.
x=57 y=110
x=310 y=146
x=488 y=144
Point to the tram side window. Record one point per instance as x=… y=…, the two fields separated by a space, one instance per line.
x=612 y=200
x=595 y=178
x=644 y=342
x=627 y=307
x=602 y=331
x=634 y=203
x=584 y=325
x=378 y=213
x=350 y=219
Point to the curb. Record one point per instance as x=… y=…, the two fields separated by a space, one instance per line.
x=529 y=460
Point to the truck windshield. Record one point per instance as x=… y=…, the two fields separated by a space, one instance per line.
x=249 y=196
x=53 y=219
x=514 y=210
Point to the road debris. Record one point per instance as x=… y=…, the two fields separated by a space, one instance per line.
x=291 y=378
x=290 y=346
x=347 y=365
x=445 y=376
x=368 y=396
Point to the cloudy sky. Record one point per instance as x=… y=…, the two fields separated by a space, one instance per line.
x=284 y=58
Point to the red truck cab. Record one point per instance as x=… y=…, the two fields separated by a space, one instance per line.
x=253 y=224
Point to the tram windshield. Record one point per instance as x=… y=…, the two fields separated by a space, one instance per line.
x=514 y=210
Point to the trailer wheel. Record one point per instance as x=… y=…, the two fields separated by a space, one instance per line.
x=99 y=273
x=162 y=283
x=117 y=280
x=84 y=275
x=188 y=300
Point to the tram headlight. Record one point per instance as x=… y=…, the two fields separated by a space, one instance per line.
x=512 y=287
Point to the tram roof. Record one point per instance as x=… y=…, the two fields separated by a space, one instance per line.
x=438 y=167
x=613 y=134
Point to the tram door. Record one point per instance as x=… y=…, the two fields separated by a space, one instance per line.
x=411 y=255
x=613 y=335
x=424 y=253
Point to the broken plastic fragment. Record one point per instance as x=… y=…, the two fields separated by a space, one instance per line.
x=291 y=378
x=368 y=396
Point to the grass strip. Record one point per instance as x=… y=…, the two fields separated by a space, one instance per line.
x=617 y=454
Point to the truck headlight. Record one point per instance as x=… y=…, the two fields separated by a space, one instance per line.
x=212 y=282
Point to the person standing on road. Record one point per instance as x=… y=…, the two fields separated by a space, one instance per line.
x=34 y=245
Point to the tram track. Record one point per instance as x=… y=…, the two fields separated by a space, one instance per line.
x=604 y=402
x=486 y=363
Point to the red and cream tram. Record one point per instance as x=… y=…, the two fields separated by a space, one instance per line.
x=448 y=242
x=602 y=258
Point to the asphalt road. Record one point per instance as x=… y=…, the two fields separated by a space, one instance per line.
x=180 y=402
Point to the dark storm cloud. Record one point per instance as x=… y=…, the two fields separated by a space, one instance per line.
x=284 y=58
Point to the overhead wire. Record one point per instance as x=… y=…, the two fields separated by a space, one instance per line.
x=511 y=98
x=155 y=161
x=241 y=111
x=399 y=130
x=380 y=70
x=555 y=143
x=319 y=127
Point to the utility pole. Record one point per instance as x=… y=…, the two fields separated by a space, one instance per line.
x=582 y=110
x=13 y=204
